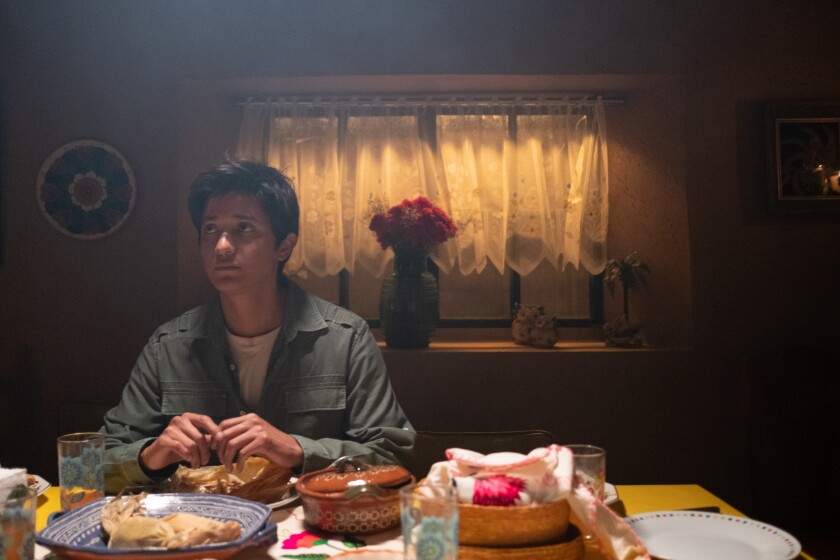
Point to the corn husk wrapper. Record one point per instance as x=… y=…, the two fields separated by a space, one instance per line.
x=125 y=522
x=141 y=532
x=194 y=530
x=260 y=481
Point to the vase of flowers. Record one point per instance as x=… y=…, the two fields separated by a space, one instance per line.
x=409 y=303
x=632 y=273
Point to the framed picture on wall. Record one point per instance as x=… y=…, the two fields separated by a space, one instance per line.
x=803 y=156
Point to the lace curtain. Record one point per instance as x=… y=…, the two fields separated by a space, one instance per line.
x=535 y=193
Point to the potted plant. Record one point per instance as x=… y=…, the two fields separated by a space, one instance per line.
x=632 y=273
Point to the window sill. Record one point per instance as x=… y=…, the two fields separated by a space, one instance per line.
x=497 y=346
x=499 y=341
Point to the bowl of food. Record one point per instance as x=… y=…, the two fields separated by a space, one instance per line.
x=161 y=526
x=353 y=497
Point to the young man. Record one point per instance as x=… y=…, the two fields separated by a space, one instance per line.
x=263 y=370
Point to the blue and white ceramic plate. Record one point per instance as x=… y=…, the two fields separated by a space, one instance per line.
x=78 y=533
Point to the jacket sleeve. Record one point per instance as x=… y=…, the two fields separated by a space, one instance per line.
x=375 y=425
x=133 y=424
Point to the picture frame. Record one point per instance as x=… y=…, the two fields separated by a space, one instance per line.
x=803 y=156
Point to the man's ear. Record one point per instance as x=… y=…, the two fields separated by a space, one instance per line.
x=287 y=246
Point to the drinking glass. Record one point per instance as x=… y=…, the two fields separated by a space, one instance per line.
x=429 y=522
x=590 y=468
x=81 y=472
x=17 y=524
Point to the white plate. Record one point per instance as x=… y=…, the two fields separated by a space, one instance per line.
x=40 y=485
x=289 y=499
x=610 y=494
x=693 y=535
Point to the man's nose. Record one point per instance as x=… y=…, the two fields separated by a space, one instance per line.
x=224 y=246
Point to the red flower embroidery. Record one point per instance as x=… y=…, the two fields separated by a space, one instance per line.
x=412 y=224
x=497 y=490
x=302 y=540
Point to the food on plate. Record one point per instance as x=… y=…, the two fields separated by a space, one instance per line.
x=141 y=532
x=260 y=480
x=119 y=510
x=125 y=522
x=193 y=530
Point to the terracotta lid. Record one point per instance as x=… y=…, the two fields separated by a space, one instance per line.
x=349 y=473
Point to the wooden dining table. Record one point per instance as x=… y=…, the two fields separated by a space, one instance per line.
x=295 y=539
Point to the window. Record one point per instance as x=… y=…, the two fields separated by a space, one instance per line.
x=524 y=178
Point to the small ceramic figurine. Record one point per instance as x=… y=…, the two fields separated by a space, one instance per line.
x=544 y=334
x=523 y=321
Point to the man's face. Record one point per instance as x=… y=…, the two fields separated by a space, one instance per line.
x=238 y=248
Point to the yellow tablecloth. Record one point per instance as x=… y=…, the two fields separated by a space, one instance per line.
x=656 y=497
x=48 y=502
x=635 y=499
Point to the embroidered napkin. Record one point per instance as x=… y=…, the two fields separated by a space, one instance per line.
x=546 y=474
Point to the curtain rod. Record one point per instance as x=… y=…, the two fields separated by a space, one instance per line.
x=432 y=100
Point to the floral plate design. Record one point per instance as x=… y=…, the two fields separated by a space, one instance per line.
x=86 y=189
x=38 y=483
x=77 y=533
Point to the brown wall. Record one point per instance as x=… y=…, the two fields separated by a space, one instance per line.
x=729 y=280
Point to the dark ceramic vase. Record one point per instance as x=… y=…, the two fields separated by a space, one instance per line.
x=409 y=304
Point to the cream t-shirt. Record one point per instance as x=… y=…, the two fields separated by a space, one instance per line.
x=251 y=355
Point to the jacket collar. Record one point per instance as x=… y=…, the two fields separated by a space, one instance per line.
x=299 y=315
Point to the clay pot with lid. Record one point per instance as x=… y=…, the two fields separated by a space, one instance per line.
x=353 y=497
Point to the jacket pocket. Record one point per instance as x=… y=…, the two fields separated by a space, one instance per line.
x=187 y=396
x=308 y=399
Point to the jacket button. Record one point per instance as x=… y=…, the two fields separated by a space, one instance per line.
x=232 y=367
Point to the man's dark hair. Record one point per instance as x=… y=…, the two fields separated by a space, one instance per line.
x=270 y=188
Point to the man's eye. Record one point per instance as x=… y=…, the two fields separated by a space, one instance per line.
x=245 y=227
x=209 y=229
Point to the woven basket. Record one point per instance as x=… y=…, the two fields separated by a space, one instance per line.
x=570 y=547
x=495 y=526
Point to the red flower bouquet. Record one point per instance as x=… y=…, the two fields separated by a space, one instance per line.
x=412 y=225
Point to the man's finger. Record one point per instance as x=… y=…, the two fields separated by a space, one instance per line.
x=197 y=442
x=233 y=452
x=247 y=451
x=202 y=422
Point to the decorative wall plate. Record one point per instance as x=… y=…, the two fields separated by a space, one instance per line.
x=86 y=189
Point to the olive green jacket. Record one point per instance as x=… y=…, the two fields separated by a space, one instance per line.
x=326 y=385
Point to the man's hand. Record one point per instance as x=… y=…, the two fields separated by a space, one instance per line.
x=187 y=438
x=248 y=435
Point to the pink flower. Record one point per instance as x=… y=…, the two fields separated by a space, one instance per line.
x=497 y=490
